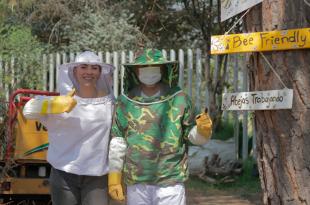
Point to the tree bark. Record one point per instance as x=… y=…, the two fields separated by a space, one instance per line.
x=283 y=136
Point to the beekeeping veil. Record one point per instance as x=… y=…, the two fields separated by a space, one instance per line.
x=66 y=80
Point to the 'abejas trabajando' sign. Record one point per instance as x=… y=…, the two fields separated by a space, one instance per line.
x=258 y=100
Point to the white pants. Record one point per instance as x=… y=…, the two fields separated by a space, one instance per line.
x=141 y=194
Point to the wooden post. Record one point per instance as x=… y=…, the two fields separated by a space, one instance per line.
x=225 y=113
x=245 y=138
x=235 y=113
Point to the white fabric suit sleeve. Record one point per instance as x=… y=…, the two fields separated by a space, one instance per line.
x=33 y=108
x=117 y=152
x=195 y=138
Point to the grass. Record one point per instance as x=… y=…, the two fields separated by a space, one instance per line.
x=225 y=131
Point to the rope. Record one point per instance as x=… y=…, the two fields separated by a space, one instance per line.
x=272 y=68
x=269 y=64
x=234 y=25
x=307 y=2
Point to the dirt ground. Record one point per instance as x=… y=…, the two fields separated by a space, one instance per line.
x=216 y=197
x=197 y=197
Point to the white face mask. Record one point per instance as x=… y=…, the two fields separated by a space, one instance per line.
x=149 y=75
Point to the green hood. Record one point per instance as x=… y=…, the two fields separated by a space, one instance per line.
x=169 y=81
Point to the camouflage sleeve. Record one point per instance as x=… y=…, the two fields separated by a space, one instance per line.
x=119 y=121
x=118 y=144
x=188 y=118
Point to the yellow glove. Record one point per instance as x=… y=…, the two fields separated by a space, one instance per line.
x=204 y=124
x=115 y=186
x=58 y=104
x=50 y=105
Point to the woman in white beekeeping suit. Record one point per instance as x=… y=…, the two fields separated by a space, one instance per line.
x=78 y=128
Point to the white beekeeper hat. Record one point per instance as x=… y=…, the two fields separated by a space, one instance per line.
x=66 y=80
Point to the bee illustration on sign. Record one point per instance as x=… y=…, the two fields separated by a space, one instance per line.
x=217 y=44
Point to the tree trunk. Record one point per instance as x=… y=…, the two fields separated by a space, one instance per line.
x=283 y=136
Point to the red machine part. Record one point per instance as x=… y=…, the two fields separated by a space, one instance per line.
x=13 y=113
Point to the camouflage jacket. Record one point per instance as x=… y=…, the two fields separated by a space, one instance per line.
x=156 y=138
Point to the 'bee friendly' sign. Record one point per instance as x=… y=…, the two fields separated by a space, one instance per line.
x=261 y=41
x=258 y=100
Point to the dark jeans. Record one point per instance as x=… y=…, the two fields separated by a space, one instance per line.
x=72 y=189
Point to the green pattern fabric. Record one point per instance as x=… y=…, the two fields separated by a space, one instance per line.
x=155 y=129
x=156 y=136
x=150 y=57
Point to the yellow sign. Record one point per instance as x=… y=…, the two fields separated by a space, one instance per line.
x=261 y=41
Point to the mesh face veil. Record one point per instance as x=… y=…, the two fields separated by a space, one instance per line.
x=67 y=80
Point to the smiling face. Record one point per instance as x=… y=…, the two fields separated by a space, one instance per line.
x=87 y=75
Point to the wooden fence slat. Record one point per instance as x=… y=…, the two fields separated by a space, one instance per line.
x=44 y=72
x=100 y=56
x=123 y=60
x=108 y=57
x=131 y=57
x=181 y=68
x=13 y=76
x=172 y=55
x=2 y=79
x=64 y=58
x=24 y=69
x=58 y=62
x=164 y=52
x=190 y=71
x=1 y=76
x=7 y=86
x=51 y=73
x=198 y=79
x=71 y=57
x=115 y=75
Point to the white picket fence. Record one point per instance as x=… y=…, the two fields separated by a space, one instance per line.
x=191 y=80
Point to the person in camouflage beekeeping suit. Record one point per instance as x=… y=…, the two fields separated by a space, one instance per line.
x=153 y=124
